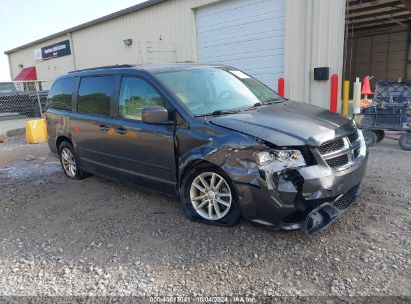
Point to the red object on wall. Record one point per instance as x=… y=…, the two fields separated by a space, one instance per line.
x=334 y=93
x=281 y=86
x=27 y=74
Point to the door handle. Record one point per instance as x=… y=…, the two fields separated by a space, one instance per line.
x=103 y=128
x=121 y=131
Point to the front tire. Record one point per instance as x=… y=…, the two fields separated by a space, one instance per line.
x=380 y=135
x=370 y=138
x=405 y=141
x=208 y=196
x=69 y=161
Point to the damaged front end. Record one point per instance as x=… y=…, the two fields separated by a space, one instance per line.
x=298 y=187
x=327 y=213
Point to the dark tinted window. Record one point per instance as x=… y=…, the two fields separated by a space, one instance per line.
x=94 y=95
x=60 y=94
x=136 y=94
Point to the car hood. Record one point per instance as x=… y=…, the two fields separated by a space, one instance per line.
x=287 y=123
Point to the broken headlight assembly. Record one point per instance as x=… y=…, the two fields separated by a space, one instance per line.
x=285 y=158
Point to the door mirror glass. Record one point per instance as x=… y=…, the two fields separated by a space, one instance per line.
x=155 y=115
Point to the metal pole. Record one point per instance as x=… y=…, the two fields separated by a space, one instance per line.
x=38 y=97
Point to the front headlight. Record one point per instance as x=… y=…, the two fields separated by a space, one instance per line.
x=287 y=158
x=363 y=147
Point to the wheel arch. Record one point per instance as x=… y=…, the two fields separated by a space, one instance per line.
x=61 y=139
x=195 y=163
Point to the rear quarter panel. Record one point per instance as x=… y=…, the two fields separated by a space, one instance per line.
x=57 y=124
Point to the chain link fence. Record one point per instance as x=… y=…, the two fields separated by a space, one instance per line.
x=23 y=99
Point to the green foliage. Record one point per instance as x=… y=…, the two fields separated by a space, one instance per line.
x=133 y=106
x=16 y=132
x=61 y=101
x=97 y=103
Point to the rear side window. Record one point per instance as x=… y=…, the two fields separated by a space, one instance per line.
x=60 y=94
x=94 y=95
x=136 y=94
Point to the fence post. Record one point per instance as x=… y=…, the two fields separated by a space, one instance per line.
x=38 y=97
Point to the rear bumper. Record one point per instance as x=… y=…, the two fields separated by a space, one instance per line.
x=289 y=199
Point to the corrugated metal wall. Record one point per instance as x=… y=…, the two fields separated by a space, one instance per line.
x=161 y=33
x=166 y=32
x=409 y=56
x=46 y=70
x=383 y=56
x=314 y=38
x=327 y=47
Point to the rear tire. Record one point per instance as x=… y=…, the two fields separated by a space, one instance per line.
x=405 y=142
x=370 y=138
x=69 y=161
x=380 y=135
x=208 y=196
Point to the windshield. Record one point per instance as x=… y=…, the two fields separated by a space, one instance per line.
x=210 y=90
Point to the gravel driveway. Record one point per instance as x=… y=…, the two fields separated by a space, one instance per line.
x=96 y=237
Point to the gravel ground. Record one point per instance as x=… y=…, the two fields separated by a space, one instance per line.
x=95 y=237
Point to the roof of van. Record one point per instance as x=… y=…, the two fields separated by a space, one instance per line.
x=152 y=68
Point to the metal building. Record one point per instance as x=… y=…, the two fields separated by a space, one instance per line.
x=268 y=39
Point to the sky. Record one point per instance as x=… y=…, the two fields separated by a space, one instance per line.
x=23 y=21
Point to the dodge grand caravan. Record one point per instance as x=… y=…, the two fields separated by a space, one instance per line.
x=222 y=141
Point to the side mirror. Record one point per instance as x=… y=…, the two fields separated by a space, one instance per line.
x=155 y=115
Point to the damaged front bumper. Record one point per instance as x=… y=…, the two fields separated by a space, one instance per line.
x=308 y=198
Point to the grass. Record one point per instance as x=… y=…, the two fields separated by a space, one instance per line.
x=16 y=132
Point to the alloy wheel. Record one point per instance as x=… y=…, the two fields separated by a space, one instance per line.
x=69 y=162
x=210 y=196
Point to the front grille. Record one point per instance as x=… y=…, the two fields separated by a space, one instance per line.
x=341 y=152
x=331 y=146
x=347 y=199
x=338 y=161
x=353 y=137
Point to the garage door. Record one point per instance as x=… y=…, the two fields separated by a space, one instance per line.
x=246 y=34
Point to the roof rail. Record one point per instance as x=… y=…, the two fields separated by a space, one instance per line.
x=105 y=67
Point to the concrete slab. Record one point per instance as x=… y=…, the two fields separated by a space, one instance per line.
x=7 y=125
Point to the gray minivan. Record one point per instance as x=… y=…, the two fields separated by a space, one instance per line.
x=225 y=143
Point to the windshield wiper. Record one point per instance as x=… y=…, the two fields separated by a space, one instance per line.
x=218 y=112
x=256 y=105
x=259 y=104
x=275 y=100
